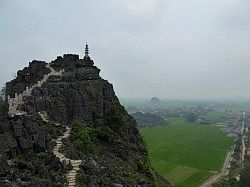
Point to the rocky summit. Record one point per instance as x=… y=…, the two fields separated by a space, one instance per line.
x=66 y=127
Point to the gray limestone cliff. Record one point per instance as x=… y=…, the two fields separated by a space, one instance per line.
x=100 y=137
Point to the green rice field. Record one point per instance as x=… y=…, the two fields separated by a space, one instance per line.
x=186 y=154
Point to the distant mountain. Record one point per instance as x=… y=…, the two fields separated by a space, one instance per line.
x=155 y=100
x=148 y=120
x=132 y=109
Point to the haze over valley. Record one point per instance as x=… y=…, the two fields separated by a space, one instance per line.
x=115 y=93
x=167 y=48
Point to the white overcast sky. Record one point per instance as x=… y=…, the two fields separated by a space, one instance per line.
x=165 y=48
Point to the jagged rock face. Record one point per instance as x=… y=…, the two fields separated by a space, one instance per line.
x=86 y=100
x=77 y=95
x=20 y=134
x=80 y=94
x=26 y=77
x=23 y=140
x=72 y=62
x=118 y=156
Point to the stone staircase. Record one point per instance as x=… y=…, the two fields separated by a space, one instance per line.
x=14 y=103
x=45 y=118
x=71 y=175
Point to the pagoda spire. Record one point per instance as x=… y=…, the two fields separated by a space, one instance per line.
x=86 y=59
x=86 y=50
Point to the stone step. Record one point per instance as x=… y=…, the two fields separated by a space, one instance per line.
x=77 y=161
x=66 y=160
x=61 y=157
x=71 y=178
x=76 y=168
x=75 y=164
x=71 y=174
x=72 y=171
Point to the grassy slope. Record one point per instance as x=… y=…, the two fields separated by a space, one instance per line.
x=186 y=153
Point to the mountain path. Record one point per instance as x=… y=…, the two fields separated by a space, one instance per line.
x=14 y=109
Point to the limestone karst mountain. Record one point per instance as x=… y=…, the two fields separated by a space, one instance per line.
x=148 y=120
x=66 y=127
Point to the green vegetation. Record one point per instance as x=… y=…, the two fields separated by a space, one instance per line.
x=244 y=105
x=43 y=155
x=48 y=127
x=81 y=137
x=36 y=179
x=80 y=178
x=110 y=142
x=3 y=108
x=191 y=117
x=20 y=158
x=117 y=116
x=185 y=153
x=86 y=137
x=217 y=116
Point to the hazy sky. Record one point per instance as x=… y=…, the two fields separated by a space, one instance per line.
x=165 y=48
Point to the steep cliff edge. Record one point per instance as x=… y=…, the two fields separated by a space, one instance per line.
x=100 y=145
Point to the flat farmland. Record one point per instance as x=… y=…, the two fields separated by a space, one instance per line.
x=184 y=153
